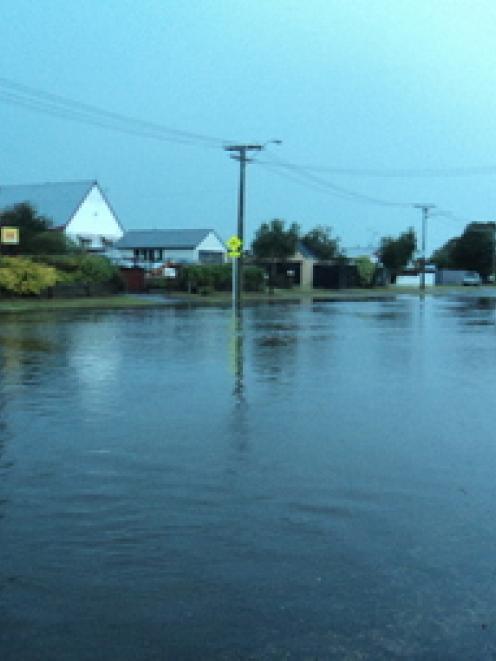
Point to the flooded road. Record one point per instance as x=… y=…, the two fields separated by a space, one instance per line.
x=314 y=481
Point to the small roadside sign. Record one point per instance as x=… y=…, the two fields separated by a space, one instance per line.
x=234 y=245
x=9 y=235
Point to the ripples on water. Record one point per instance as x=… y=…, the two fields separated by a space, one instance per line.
x=312 y=481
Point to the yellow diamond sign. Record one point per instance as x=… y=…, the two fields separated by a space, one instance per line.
x=234 y=245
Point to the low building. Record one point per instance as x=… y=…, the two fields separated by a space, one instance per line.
x=151 y=248
x=78 y=208
x=296 y=270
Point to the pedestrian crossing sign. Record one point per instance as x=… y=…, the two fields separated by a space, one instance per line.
x=234 y=245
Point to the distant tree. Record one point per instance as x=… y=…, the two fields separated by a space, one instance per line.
x=366 y=269
x=396 y=253
x=36 y=235
x=443 y=257
x=321 y=243
x=474 y=250
x=272 y=241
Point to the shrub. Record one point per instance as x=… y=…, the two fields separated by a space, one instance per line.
x=254 y=278
x=83 y=268
x=218 y=277
x=366 y=270
x=23 y=277
x=205 y=276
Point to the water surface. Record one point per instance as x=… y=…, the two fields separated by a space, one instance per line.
x=314 y=481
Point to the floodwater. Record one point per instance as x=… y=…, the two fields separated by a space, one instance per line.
x=314 y=481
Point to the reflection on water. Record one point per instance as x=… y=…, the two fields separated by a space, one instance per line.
x=236 y=352
x=299 y=481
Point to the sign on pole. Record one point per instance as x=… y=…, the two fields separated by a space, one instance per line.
x=235 y=245
x=9 y=235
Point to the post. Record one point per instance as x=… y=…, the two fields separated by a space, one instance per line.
x=239 y=153
x=425 y=214
x=234 y=282
x=241 y=225
x=494 y=254
x=424 y=231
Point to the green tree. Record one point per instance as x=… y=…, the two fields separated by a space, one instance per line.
x=396 y=253
x=443 y=257
x=274 y=242
x=36 y=235
x=366 y=269
x=474 y=250
x=321 y=243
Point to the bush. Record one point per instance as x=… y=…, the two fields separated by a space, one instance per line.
x=23 y=277
x=366 y=270
x=254 y=278
x=218 y=277
x=83 y=268
x=195 y=277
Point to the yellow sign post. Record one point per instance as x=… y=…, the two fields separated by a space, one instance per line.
x=235 y=246
x=9 y=235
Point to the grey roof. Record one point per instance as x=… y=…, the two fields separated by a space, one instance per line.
x=305 y=251
x=170 y=239
x=360 y=251
x=56 y=201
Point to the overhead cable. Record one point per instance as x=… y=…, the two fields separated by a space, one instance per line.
x=66 y=108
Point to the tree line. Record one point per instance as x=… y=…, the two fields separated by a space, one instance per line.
x=473 y=250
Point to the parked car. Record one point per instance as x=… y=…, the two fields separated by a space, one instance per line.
x=471 y=278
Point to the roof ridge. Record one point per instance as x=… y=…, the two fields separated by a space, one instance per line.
x=51 y=183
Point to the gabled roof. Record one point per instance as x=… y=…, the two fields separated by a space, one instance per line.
x=56 y=201
x=171 y=239
x=361 y=251
x=305 y=251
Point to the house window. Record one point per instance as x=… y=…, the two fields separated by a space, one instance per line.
x=84 y=242
x=210 y=257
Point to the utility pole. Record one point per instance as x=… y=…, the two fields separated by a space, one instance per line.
x=425 y=214
x=240 y=153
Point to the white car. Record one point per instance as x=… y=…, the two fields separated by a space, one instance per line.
x=471 y=278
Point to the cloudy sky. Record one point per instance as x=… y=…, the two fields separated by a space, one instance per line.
x=379 y=104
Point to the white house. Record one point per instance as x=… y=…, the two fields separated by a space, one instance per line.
x=78 y=208
x=178 y=246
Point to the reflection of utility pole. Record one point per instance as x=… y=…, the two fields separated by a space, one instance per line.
x=425 y=214
x=239 y=153
x=493 y=262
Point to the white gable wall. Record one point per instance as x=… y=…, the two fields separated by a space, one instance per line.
x=93 y=220
x=211 y=244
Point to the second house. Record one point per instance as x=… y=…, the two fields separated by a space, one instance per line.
x=151 y=248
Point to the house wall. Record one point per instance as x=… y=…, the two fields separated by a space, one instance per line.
x=184 y=256
x=307 y=272
x=93 y=220
x=414 y=280
x=210 y=244
x=181 y=256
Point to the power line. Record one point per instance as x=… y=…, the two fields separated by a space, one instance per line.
x=330 y=186
x=66 y=108
x=458 y=171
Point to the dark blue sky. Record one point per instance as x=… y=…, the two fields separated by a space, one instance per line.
x=352 y=84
